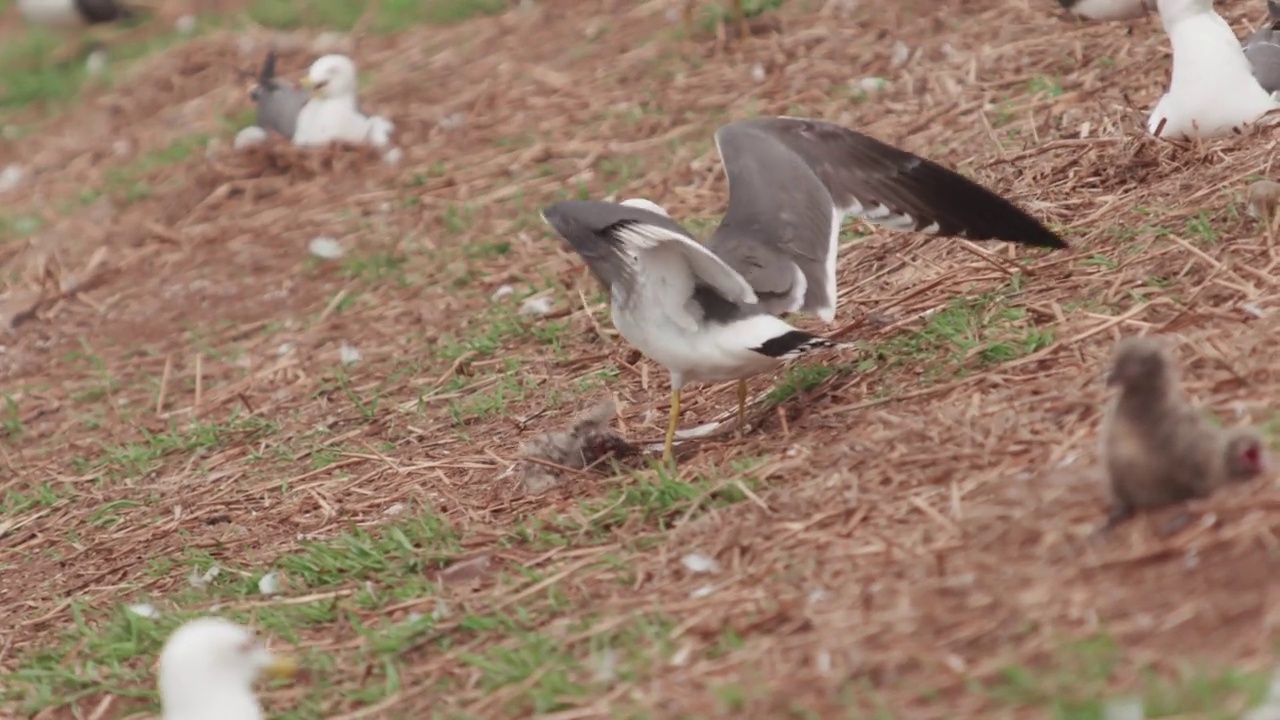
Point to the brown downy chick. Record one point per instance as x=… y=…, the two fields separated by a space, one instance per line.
x=1157 y=450
x=587 y=440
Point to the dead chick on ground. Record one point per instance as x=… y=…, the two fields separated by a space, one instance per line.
x=1158 y=450
x=587 y=441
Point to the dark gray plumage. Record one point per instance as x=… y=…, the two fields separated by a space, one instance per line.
x=792 y=181
x=278 y=101
x=1157 y=449
x=1262 y=48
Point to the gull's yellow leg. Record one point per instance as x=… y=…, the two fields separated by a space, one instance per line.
x=671 y=424
x=742 y=405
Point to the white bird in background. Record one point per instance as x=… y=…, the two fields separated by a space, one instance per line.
x=1107 y=10
x=1213 y=91
x=332 y=114
x=207 y=670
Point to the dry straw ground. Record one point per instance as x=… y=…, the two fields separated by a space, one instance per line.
x=904 y=535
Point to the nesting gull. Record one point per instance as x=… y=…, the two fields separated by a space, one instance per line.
x=707 y=313
x=278 y=101
x=207 y=670
x=1213 y=91
x=332 y=114
x=1262 y=48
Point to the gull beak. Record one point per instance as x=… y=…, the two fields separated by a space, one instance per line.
x=308 y=84
x=281 y=667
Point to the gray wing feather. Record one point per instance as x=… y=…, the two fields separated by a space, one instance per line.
x=774 y=201
x=779 y=219
x=279 y=102
x=1263 y=50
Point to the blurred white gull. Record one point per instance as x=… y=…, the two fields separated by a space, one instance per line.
x=207 y=670
x=1213 y=91
x=332 y=114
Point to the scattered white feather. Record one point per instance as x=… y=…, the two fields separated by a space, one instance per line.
x=871 y=85
x=502 y=292
x=394 y=509
x=1126 y=708
x=817 y=595
x=393 y=156
x=185 y=24
x=452 y=121
x=900 y=56
x=822 y=661
x=201 y=580
x=605 y=666
x=11 y=176
x=537 y=306
x=248 y=137
x=757 y=73
x=696 y=562
x=96 y=63
x=348 y=354
x=702 y=591
x=325 y=247
x=1253 y=310
x=269 y=584
x=146 y=610
x=1212 y=91
x=285 y=348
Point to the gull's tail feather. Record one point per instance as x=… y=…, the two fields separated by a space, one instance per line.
x=794 y=343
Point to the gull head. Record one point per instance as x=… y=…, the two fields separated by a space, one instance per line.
x=331 y=76
x=643 y=204
x=207 y=669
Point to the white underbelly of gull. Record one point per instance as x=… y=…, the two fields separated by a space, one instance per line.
x=1213 y=91
x=707 y=313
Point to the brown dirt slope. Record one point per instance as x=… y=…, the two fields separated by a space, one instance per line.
x=902 y=535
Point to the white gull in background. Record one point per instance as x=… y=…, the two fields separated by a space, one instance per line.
x=1213 y=91
x=333 y=114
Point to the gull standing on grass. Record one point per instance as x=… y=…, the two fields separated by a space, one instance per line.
x=333 y=114
x=706 y=313
x=207 y=670
x=1213 y=91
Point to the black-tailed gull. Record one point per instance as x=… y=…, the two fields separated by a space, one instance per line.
x=706 y=313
